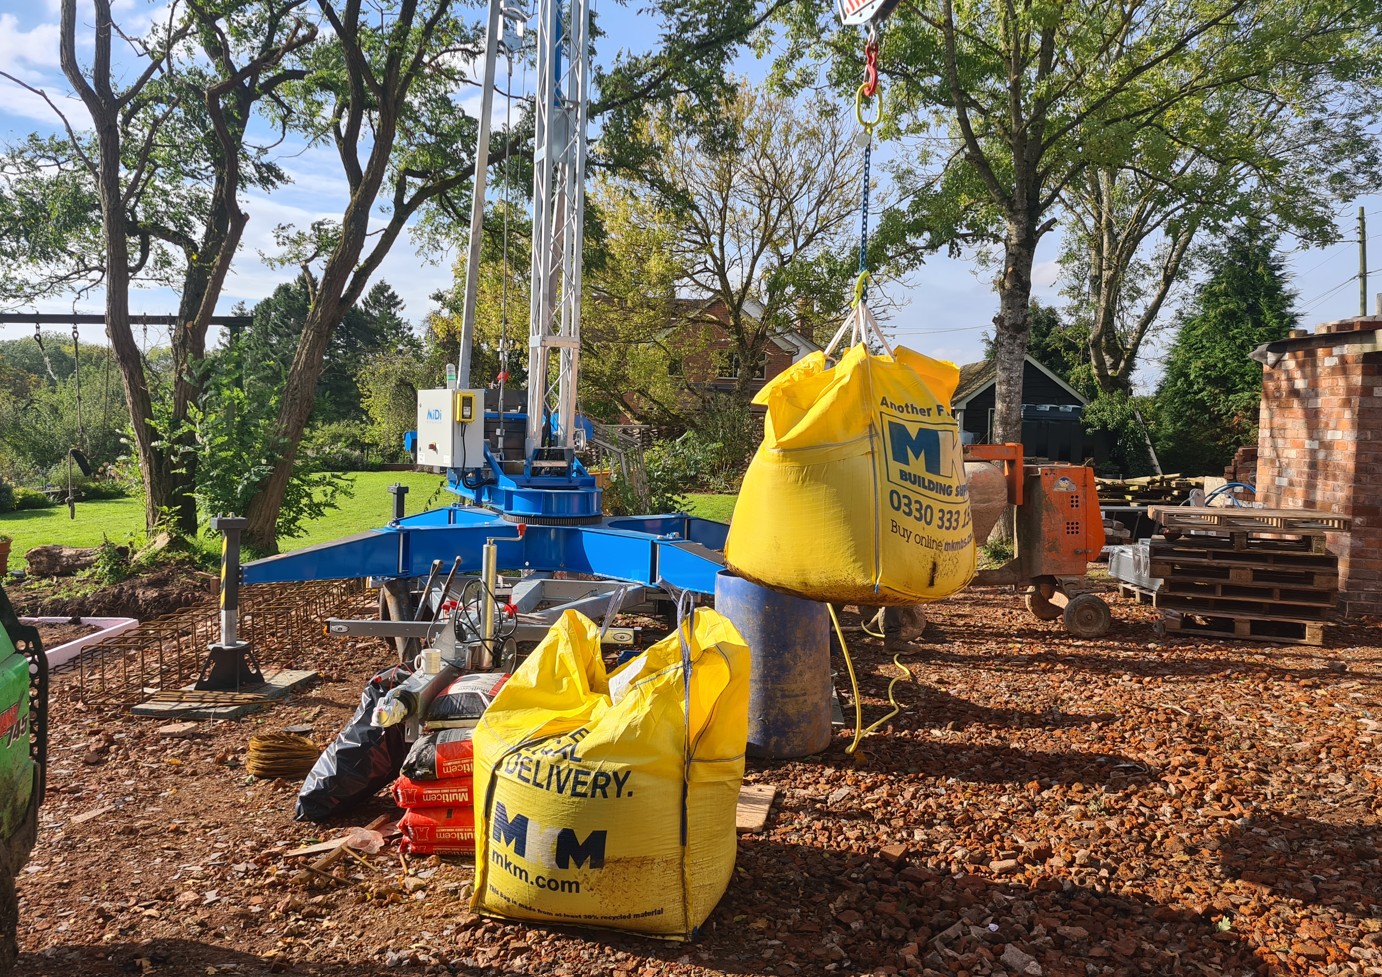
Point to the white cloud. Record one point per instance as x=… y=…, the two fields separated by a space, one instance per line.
x=37 y=46
x=1045 y=274
x=24 y=104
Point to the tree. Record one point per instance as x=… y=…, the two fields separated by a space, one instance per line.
x=755 y=225
x=265 y=349
x=150 y=192
x=46 y=408
x=502 y=303
x=1002 y=107
x=1207 y=402
x=1056 y=344
x=1284 y=153
x=390 y=73
x=636 y=338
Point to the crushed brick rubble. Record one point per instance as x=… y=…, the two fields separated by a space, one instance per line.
x=1044 y=806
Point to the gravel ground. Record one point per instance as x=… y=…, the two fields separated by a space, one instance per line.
x=1045 y=805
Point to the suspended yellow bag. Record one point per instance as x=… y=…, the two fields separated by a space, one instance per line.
x=609 y=800
x=858 y=492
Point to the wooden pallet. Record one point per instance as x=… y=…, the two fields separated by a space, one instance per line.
x=1246 y=574
x=1238 y=520
x=1262 y=610
x=1245 y=549
x=1244 y=628
x=1174 y=585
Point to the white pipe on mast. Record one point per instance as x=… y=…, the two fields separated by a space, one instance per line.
x=477 y=203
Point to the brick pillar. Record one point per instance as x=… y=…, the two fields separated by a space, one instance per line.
x=1320 y=444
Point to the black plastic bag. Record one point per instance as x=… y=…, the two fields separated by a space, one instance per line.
x=363 y=759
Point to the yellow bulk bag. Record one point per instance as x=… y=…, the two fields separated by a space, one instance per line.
x=610 y=800
x=858 y=492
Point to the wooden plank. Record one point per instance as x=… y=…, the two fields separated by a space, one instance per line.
x=1132 y=592
x=323 y=847
x=755 y=803
x=1256 y=552
x=201 y=697
x=1244 y=575
x=92 y=814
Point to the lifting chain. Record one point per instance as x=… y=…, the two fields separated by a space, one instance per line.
x=869 y=89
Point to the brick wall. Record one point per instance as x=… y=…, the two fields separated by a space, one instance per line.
x=1320 y=444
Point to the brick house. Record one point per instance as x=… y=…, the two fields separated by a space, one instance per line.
x=709 y=362
x=1320 y=441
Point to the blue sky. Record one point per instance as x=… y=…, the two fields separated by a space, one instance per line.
x=944 y=310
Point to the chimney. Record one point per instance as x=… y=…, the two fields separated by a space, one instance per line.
x=806 y=326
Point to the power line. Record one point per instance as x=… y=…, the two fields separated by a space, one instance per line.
x=1327 y=258
x=937 y=332
x=1318 y=300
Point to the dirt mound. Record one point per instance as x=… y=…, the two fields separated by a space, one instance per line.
x=161 y=590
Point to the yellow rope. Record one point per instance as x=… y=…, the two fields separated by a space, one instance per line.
x=859 y=730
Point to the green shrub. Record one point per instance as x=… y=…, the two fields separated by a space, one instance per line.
x=339 y=446
x=27 y=498
x=112 y=563
x=730 y=433
x=6 y=496
x=91 y=489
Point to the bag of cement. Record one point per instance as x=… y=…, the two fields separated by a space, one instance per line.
x=409 y=793
x=857 y=494
x=363 y=759
x=438 y=830
x=465 y=700
x=441 y=755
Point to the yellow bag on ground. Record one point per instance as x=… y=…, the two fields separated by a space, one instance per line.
x=610 y=800
x=858 y=492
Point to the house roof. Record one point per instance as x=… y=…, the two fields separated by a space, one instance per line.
x=975 y=378
x=789 y=341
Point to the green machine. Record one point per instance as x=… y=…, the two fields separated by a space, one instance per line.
x=23 y=752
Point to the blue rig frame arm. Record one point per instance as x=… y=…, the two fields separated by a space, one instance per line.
x=678 y=550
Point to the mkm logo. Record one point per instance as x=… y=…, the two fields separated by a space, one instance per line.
x=935 y=448
x=550 y=846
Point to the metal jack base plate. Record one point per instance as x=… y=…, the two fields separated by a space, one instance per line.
x=229 y=667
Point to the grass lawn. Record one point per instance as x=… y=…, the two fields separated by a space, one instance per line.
x=710 y=506
x=371 y=507
x=120 y=520
x=113 y=519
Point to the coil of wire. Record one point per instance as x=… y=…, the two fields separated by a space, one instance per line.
x=281 y=755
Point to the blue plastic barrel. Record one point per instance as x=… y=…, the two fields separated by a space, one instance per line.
x=789 y=670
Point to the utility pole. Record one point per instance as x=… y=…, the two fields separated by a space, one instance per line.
x=1362 y=263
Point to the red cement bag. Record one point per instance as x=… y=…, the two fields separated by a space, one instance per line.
x=457 y=791
x=419 y=848
x=440 y=830
x=441 y=755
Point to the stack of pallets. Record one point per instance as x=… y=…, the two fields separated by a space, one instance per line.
x=1248 y=574
x=1147 y=490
